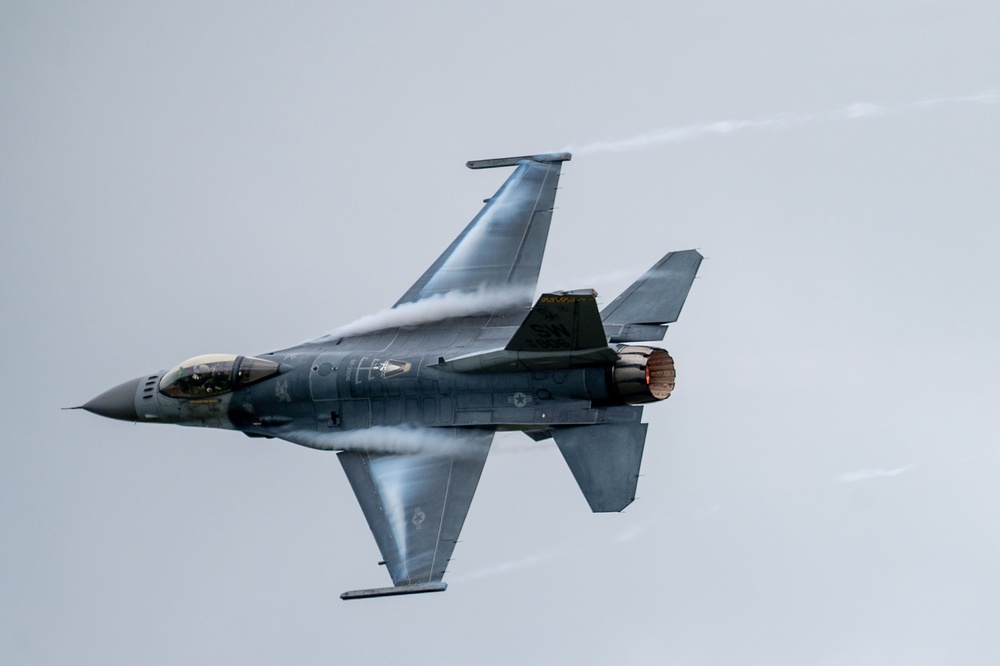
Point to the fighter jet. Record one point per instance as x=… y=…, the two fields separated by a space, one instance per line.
x=411 y=398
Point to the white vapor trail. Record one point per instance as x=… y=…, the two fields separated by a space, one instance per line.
x=630 y=533
x=384 y=439
x=433 y=308
x=866 y=474
x=683 y=134
x=507 y=567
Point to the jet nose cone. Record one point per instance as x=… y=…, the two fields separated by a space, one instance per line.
x=117 y=403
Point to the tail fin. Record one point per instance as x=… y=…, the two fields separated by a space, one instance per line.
x=563 y=330
x=654 y=299
x=562 y=321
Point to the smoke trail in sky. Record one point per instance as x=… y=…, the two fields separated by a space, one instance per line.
x=630 y=533
x=683 y=134
x=866 y=474
x=434 y=308
x=506 y=567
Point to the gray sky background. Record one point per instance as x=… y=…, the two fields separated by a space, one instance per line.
x=195 y=177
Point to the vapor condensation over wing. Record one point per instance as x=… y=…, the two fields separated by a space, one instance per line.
x=397 y=478
x=431 y=309
x=382 y=439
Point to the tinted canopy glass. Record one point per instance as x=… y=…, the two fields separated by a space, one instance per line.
x=215 y=374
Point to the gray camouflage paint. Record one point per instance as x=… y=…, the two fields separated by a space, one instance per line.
x=412 y=401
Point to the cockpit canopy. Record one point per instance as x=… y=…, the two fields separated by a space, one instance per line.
x=215 y=374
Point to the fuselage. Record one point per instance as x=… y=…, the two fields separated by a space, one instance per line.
x=552 y=367
x=329 y=392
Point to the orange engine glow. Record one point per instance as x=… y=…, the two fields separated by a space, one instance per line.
x=643 y=374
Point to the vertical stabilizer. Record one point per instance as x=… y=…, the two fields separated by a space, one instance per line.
x=562 y=321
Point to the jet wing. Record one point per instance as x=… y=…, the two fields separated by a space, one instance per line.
x=416 y=505
x=502 y=248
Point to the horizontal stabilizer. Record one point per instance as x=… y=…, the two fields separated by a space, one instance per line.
x=389 y=591
x=512 y=161
x=605 y=461
x=658 y=296
x=634 y=332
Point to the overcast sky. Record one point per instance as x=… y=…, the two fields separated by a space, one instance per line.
x=200 y=177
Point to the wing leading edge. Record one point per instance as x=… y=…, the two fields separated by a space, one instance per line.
x=502 y=248
x=416 y=505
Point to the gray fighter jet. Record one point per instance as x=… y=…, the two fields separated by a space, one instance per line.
x=411 y=397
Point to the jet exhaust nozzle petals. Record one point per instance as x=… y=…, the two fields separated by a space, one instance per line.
x=117 y=403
